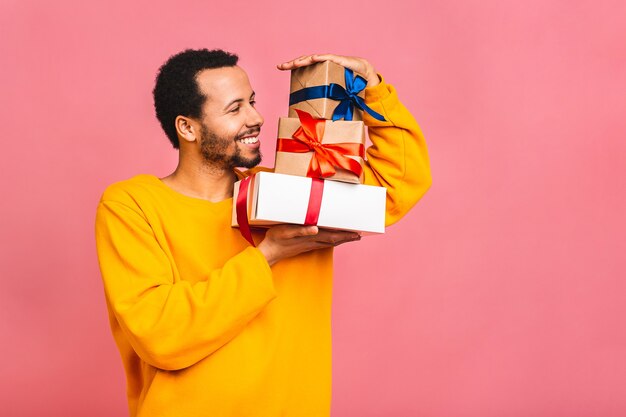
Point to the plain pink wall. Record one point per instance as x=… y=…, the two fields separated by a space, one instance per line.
x=501 y=294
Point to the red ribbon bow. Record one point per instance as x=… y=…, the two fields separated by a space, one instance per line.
x=326 y=156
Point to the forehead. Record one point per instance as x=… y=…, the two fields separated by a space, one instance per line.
x=222 y=85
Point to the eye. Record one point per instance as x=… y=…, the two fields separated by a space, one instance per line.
x=235 y=110
x=253 y=103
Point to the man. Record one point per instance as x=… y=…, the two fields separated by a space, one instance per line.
x=206 y=324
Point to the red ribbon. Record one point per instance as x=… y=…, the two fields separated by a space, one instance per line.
x=242 y=209
x=315 y=202
x=326 y=156
x=312 y=213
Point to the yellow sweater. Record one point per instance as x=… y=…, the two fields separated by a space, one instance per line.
x=204 y=326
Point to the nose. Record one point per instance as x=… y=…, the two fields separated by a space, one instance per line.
x=254 y=118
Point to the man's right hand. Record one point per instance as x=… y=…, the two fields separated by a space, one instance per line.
x=285 y=241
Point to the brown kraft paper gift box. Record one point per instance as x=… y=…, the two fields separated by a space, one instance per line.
x=323 y=73
x=341 y=131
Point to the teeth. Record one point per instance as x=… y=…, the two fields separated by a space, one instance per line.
x=249 y=141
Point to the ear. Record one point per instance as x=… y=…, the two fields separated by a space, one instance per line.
x=187 y=129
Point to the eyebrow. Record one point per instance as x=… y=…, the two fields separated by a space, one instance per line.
x=239 y=100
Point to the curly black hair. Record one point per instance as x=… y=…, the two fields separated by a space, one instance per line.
x=176 y=92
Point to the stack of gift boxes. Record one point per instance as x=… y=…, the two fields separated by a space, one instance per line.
x=318 y=175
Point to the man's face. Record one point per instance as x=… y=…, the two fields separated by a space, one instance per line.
x=230 y=123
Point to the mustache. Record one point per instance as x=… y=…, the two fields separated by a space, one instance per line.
x=255 y=131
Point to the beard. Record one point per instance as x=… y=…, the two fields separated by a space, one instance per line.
x=214 y=150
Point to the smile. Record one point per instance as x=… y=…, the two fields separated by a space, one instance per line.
x=249 y=140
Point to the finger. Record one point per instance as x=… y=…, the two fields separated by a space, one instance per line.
x=358 y=65
x=291 y=232
x=352 y=238
x=294 y=63
x=325 y=244
x=335 y=237
x=337 y=233
x=337 y=59
x=309 y=231
x=303 y=61
x=316 y=245
x=287 y=64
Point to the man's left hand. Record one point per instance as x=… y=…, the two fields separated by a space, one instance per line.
x=358 y=65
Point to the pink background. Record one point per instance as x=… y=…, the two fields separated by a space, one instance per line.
x=501 y=294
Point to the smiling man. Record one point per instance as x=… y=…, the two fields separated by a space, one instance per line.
x=205 y=323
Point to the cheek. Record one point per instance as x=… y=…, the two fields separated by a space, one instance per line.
x=225 y=127
x=232 y=127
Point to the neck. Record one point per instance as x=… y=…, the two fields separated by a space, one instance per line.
x=199 y=180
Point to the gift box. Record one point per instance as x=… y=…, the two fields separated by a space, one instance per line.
x=319 y=148
x=272 y=198
x=327 y=91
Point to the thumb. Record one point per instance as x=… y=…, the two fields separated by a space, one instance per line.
x=310 y=231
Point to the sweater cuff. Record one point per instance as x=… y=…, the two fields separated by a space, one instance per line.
x=378 y=92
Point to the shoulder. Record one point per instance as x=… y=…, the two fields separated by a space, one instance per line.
x=131 y=191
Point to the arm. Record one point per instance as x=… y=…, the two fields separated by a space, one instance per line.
x=172 y=325
x=398 y=158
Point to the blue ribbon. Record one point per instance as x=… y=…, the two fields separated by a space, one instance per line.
x=348 y=97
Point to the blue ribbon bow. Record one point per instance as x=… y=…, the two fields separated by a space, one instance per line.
x=348 y=97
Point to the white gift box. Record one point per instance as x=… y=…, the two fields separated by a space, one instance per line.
x=280 y=198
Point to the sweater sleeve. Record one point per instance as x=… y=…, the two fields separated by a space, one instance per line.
x=398 y=157
x=172 y=325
